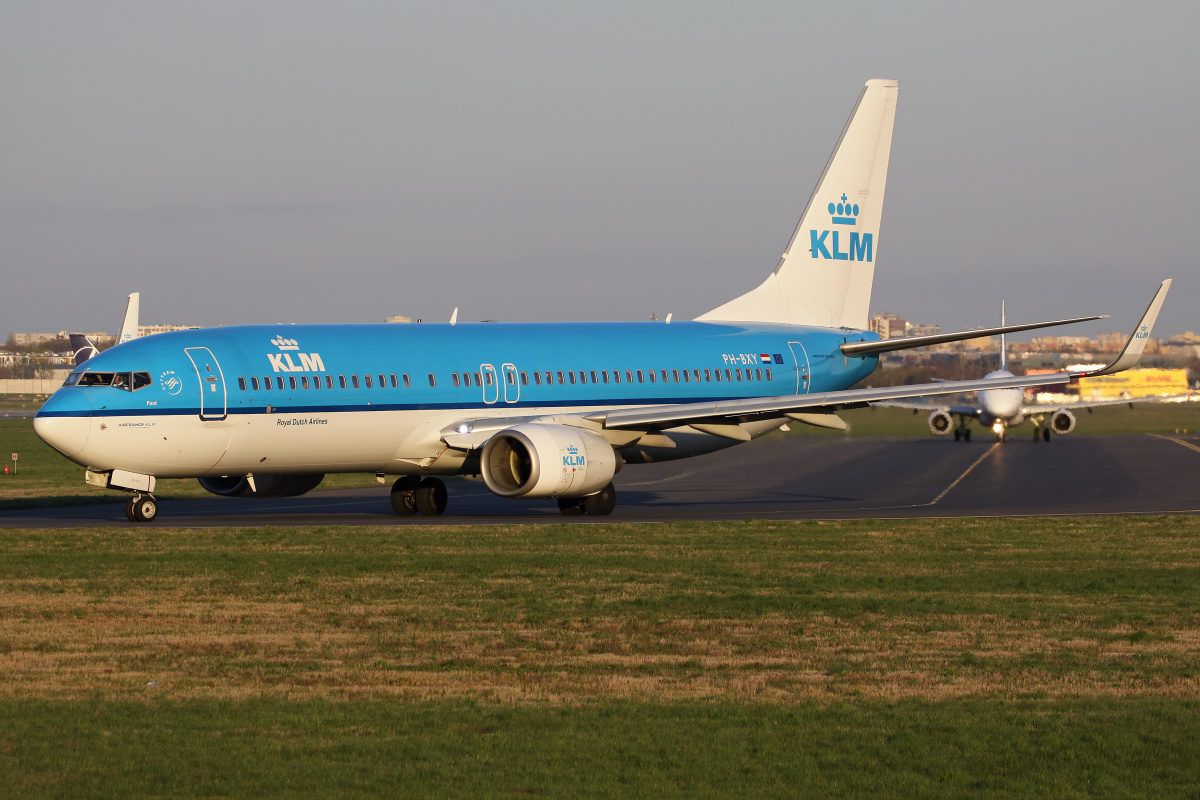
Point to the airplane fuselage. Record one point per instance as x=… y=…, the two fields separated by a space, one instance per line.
x=286 y=399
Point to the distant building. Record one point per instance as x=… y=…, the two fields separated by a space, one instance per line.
x=888 y=325
x=398 y=318
x=150 y=330
x=924 y=330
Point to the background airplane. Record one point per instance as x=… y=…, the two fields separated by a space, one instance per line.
x=1001 y=409
x=549 y=410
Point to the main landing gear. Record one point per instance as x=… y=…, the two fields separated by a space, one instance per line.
x=141 y=508
x=600 y=504
x=413 y=495
x=962 y=433
x=1041 y=433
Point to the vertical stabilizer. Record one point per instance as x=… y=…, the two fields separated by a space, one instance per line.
x=824 y=277
x=1003 y=344
x=129 y=325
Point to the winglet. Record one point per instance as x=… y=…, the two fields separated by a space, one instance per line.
x=1132 y=351
x=129 y=325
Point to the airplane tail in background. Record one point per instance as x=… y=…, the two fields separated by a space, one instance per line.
x=82 y=348
x=129 y=325
x=824 y=277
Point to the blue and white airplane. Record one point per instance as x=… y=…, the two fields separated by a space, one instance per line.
x=549 y=410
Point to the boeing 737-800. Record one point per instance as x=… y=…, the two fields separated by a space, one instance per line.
x=549 y=410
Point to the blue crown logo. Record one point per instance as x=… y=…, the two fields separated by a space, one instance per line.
x=573 y=450
x=843 y=213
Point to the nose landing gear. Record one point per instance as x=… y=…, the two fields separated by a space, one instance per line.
x=141 y=508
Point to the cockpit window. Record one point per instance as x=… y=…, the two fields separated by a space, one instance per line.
x=72 y=379
x=129 y=381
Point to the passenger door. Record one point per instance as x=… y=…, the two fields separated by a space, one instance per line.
x=213 y=397
x=800 y=357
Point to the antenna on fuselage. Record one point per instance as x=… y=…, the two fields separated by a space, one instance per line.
x=1003 y=344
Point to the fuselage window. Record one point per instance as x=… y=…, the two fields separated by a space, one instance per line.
x=769 y=374
x=640 y=377
x=675 y=374
x=653 y=378
x=279 y=382
x=537 y=378
x=561 y=379
x=395 y=382
x=629 y=376
x=739 y=373
x=454 y=378
x=696 y=374
x=686 y=376
x=604 y=375
x=758 y=370
x=241 y=383
x=716 y=374
x=549 y=378
x=292 y=381
x=328 y=381
x=382 y=383
x=316 y=381
x=728 y=374
x=342 y=381
x=354 y=381
x=510 y=378
x=367 y=379
x=571 y=375
x=407 y=381
x=616 y=376
x=749 y=374
x=267 y=382
x=594 y=377
x=582 y=376
x=304 y=381
x=524 y=378
x=466 y=379
x=254 y=383
x=479 y=379
x=490 y=378
x=432 y=379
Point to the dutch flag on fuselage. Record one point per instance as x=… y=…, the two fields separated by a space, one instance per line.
x=764 y=358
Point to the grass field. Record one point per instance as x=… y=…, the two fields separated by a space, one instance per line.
x=896 y=659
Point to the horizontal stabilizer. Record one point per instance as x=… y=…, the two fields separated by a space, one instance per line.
x=887 y=345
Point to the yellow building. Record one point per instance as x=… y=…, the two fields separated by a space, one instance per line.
x=1134 y=383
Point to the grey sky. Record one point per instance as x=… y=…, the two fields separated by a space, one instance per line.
x=322 y=162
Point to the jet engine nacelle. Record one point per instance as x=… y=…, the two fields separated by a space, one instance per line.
x=1062 y=421
x=264 y=485
x=547 y=461
x=941 y=423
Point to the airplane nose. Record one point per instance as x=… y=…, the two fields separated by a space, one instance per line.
x=65 y=421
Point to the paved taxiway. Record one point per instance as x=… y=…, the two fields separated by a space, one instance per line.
x=796 y=477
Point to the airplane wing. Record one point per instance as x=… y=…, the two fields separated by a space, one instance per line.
x=722 y=417
x=970 y=411
x=826 y=402
x=1045 y=408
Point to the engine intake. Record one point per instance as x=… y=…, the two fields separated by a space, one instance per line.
x=941 y=423
x=547 y=461
x=264 y=485
x=1062 y=422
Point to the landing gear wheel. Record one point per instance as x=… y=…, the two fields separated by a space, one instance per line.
x=1037 y=434
x=144 y=507
x=957 y=435
x=570 y=506
x=1045 y=434
x=130 y=512
x=431 y=497
x=967 y=435
x=404 y=500
x=602 y=503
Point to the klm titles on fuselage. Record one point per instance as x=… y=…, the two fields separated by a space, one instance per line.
x=828 y=244
x=282 y=361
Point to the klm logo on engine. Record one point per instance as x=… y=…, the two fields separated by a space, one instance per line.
x=282 y=361
x=573 y=459
x=828 y=244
